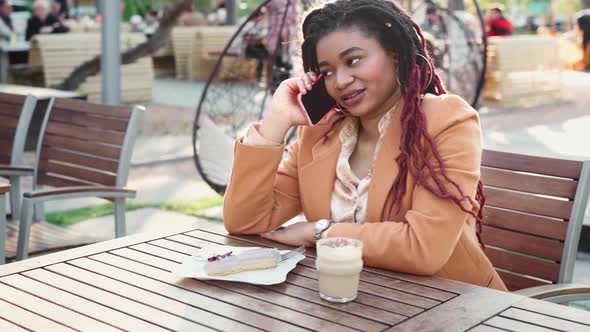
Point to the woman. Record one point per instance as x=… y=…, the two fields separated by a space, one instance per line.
x=401 y=171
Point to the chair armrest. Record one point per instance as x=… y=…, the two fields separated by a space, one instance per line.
x=4 y=188
x=9 y=170
x=557 y=293
x=81 y=191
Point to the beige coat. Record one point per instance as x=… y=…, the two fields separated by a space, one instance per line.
x=429 y=235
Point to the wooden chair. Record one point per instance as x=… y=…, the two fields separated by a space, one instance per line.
x=83 y=150
x=533 y=219
x=15 y=116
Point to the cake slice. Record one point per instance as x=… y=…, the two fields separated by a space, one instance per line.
x=255 y=259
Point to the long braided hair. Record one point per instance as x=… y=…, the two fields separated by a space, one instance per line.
x=397 y=33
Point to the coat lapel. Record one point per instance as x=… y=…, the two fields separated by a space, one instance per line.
x=318 y=176
x=385 y=169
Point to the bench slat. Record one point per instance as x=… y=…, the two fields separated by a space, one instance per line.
x=88 y=161
x=528 y=203
x=91 y=148
x=523 y=264
x=535 y=225
x=529 y=183
x=538 y=165
x=528 y=244
x=78 y=173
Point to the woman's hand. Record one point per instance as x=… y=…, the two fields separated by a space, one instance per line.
x=284 y=111
x=298 y=234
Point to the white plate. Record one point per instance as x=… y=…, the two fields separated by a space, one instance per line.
x=193 y=267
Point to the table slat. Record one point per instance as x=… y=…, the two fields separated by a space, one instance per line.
x=9 y=327
x=550 y=309
x=486 y=328
x=52 y=311
x=515 y=325
x=29 y=320
x=148 y=298
x=164 y=283
x=543 y=320
x=129 y=307
x=480 y=303
x=79 y=304
x=262 y=307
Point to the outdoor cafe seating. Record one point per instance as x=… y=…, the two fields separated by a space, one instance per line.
x=531 y=232
x=83 y=150
x=533 y=219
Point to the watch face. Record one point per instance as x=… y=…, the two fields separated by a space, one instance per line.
x=321 y=224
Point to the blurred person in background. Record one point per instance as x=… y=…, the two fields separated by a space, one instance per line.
x=43 y=21
x=256 y=30
x=584 y=25
x=60 y=9
x=152 y=22
x=434 y=24
x=497 y=24
x=6 y=28
x=531 y=25
x=136 y=24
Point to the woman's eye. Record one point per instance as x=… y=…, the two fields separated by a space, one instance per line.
x=327 y=73
x=353 y=61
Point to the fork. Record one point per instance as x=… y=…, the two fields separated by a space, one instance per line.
x=292 y=253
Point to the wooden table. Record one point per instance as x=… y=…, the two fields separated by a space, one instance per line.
x=4 y=190
x=125 y=284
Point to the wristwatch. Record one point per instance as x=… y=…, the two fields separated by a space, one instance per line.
x=321 y=226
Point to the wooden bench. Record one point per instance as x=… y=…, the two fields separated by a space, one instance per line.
x=533 y=216
x=58 y=54
x=196 y=50
x=523 y=70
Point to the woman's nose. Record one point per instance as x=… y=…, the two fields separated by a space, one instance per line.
x=343 y=79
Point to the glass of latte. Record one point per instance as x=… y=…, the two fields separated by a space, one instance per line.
x=339 y=263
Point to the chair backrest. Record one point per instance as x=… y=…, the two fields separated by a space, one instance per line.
x=84 y=144
x=15 y=116
x=533 y=216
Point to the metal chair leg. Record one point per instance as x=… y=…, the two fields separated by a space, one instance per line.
x=39 y=211
x=2 y=228
x=120 y=227
x=15 y=196
x=24 y=229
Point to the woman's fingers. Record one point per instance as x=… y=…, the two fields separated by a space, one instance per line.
x=313 y=76
x=301 y=86
x=329 y=116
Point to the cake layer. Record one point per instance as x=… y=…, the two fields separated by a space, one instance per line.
x=255 y=259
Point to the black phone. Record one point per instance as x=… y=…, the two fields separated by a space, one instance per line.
x=316 y=103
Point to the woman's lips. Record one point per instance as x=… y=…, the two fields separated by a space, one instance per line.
x=350 y=99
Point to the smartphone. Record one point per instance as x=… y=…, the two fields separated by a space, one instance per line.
x=316 y=103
